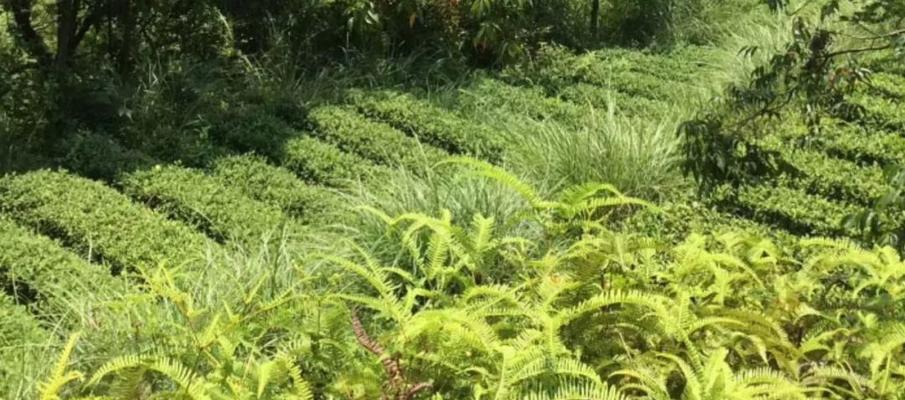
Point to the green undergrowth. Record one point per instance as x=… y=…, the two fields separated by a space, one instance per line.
x=521 y=233
x=514 y=305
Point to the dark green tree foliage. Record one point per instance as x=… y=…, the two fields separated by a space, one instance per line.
x=117 y=30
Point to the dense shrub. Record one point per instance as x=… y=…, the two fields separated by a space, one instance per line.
x=319 y=162
x=651 y=76
x=862 y=144
x=275 y=186
x=206 y=202
x=879 y=112
x=431 y=124
x=837 y=179
x=684 y=64
x=36 y=269
x=99 y=156
x=822 y=174
x=258 y=132
x=886 y=84
x=371 y=140
x=97 y=219
x=674 y=221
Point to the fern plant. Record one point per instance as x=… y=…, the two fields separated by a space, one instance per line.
x=207 y=356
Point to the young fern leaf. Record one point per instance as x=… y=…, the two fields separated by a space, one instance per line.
x=481 y=236
x=282 y=366
x=51 y=388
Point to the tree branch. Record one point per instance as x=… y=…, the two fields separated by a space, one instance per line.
x=32 y=41
x=93 y=18
x=858 y=50
x=881 y=36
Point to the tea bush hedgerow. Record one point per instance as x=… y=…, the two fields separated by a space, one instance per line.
x=794 y=209
x=880 y=113
x=850 y=141
x=36 y=269
x=206 y=202
x=371 y=140
x=431 y=124
x=96 y=218
x=889 y=85
x=318 y=162
x=276 y=186
x=601 y=98
x=492 y=94
x=22 y=344
x=834 y=178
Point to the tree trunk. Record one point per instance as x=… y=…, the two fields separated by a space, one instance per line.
x=595 y=17
x=126 y=15
x=67 y=26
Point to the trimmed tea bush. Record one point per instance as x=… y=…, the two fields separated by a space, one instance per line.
x=374 y=141
x=206 y=202
x=323 y=163
x=31 y=262
x=93 y=217
x=432 y=124
x=276 y=186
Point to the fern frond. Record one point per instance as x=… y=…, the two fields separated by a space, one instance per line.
x=584 y=390
x=60 y=376
x=390 y=307
x=500 y=175
x=115 y=365
x=190 y=384
x=481 y=235
x=647 y=300
x=536 y=364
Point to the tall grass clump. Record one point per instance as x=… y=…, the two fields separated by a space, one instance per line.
x=555 y=143
x=637 y=155
x=755 y=28
x=429 y=191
